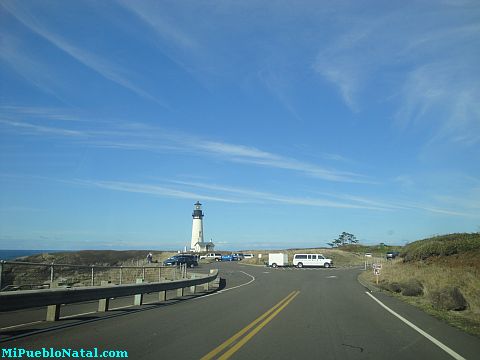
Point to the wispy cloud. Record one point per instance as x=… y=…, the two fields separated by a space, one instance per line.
x=103 y=67
x=220 y=193
x=278 y=86
x=35 y=129
x=336 y=64
x=251 y=155
x=39 y=112
x=136 y=136
x=231 y=194
x=429 y=65
x=249 y=195
x=37 y=73
x=446 y=92
x=149 y=189
x=151 y=15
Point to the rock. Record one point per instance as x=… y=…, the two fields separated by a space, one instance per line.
x=449 y=298
x=412 y=287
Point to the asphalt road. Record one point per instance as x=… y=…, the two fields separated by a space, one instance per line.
x=261 y=314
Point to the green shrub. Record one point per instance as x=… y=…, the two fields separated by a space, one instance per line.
x=444 y=245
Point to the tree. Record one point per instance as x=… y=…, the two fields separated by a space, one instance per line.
x=345 y=238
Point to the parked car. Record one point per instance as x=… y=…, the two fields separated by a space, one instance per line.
x=239 y=256
x=213 y=256
x=392 y=255
x=248 y=256
x=368 y=254
x=181 y=259
x=230 y=257
x=301 y=260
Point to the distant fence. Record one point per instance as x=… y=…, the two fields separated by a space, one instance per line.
x=17 y=275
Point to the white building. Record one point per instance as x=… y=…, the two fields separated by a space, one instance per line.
x=197 y=244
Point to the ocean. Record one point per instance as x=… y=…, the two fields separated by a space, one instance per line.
x=12 y=254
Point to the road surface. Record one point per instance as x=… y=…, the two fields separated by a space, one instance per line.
x=262 y=313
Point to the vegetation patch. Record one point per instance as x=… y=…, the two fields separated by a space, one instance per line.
x=440 y=275
x=439 y=246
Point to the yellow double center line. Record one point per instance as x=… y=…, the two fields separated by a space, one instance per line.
x=236 y=341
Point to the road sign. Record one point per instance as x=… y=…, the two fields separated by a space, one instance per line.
x=376 y=271
x=377 y=266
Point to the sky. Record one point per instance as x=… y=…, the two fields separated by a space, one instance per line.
x=290 y=121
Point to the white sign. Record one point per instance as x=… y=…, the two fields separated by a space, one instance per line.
x=376 y=271
x=377 y=266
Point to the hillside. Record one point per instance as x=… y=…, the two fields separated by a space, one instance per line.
x=96 y=257
x=453 y=248
x=441 y=275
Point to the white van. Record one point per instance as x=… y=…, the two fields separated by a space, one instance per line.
x=301 y=260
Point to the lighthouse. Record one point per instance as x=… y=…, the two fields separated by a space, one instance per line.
x=197 y=244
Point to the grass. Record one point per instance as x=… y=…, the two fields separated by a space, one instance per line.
x=444 y=245
x=439 y=263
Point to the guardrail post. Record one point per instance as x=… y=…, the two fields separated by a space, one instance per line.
x=53 y=312
x=159 y=274
x=193 y=288
x=138 y=297
x=143 y=272
x=93 y=275
x=181 y=291
x=215 y=282
x=52 y=267
x=103 y=303
x=120 y=275
x=162 y=295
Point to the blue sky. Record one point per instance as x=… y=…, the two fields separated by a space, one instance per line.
x=290 y=121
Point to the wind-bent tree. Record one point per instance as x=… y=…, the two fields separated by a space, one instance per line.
x=343 y=239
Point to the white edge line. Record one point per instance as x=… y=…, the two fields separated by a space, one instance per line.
x=235 y=287
x=416 y=328
x=14 y=326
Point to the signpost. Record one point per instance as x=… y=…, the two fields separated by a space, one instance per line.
x=376 y=270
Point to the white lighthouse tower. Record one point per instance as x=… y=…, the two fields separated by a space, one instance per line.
x=197 y=244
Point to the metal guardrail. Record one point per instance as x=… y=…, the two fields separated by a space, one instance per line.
x=16 y=274
x=54 y=298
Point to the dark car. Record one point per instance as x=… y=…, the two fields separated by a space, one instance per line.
x=392 y=255
x=190 y=260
